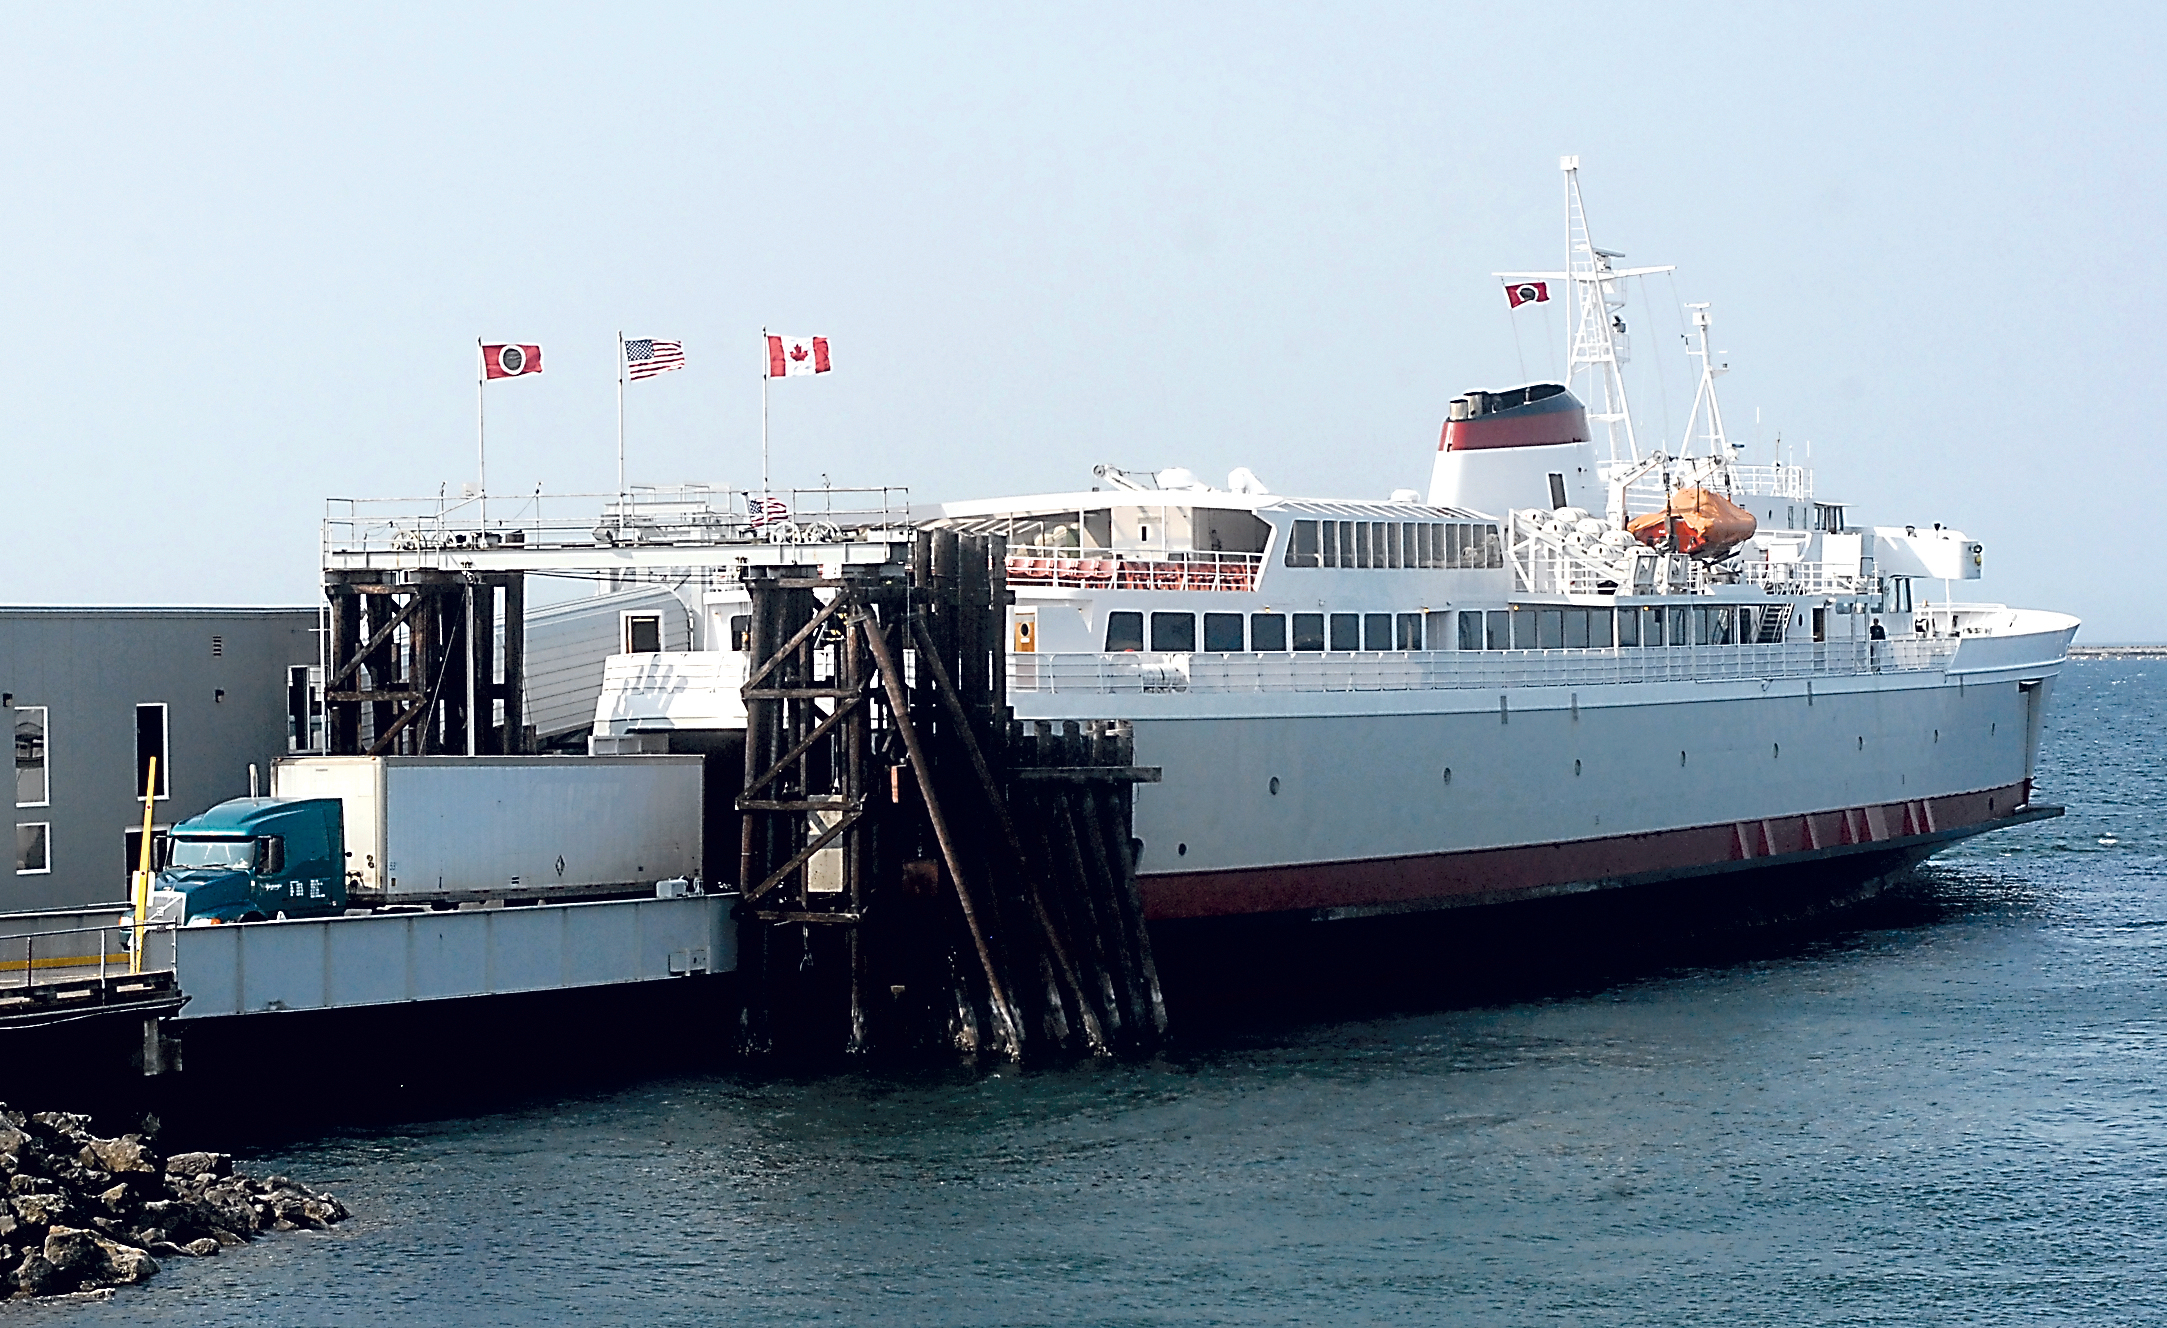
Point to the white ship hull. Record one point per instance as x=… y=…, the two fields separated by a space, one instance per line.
x=1339 y=802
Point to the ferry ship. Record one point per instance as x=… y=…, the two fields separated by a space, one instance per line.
x=1575 y=664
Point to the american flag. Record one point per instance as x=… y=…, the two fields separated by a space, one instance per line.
x=769 y=512
x=646 y=357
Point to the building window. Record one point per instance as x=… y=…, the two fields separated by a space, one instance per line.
x=1174 y=633
x=1309 y=631
x=32 y=786
x=150 y=741
x=643 y=633
x=1223 y=633
x=33 y=849
x=132 y=837
x=1267 y=631
x=1124 y=632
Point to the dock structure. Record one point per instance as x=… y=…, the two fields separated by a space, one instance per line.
x=916 y=870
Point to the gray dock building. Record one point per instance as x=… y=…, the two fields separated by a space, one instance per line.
x=91 y=694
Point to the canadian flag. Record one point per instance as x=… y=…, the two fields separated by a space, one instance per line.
x=511 y=361
x=787 y=357
x=1527 y=292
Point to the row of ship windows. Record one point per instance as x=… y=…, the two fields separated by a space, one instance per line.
x=1469 y=629
x=1394 y=544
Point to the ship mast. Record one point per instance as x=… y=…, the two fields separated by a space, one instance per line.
x=1596 y=343
x=1706 y=413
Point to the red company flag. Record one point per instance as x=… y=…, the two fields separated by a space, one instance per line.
x=510 y=361
x=1527 y=292
x=787 y=357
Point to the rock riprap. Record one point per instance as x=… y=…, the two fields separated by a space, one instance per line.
x=78 y=1212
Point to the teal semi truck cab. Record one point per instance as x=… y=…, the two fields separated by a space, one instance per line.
x=254 y=859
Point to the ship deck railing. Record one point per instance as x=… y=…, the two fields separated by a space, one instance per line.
x=1427 y=670
x=1132 y=569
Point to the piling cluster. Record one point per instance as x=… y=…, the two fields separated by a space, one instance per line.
x=82 y=1212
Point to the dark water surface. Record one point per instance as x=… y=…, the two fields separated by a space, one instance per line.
x=1944 y=1108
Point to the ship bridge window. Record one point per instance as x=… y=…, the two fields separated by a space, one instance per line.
x=1408 y=635
x=1124 y=632
x=1302 y=546
x=1628 y=627
x=1376 y=631
x=1174 y=633
x=1267 y=631
x=1309 y=631
x=1346 y=631
x=1223 y=633
x=1499 y=630
x=1470 y=630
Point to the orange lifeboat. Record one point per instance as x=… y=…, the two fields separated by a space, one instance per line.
x=1708 y=524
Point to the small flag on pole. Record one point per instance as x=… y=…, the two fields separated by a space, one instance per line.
x=1527 y=292
x=787 y=357
x=646 y=357
x=509 y=361
x=769 y=512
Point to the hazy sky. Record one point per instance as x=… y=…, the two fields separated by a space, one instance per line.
x=246 y=255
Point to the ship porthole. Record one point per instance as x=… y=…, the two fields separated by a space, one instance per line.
x=1181 y=850
x=1448 y=774
x=1576 y=769
x=1275 y=786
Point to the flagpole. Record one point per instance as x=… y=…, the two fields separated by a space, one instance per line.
x=620 y=430
x=481 y=429
x=764 y=375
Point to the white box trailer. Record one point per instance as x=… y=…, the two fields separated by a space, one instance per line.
x=438 y=828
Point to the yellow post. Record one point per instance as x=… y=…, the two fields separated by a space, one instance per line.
x=142 y=876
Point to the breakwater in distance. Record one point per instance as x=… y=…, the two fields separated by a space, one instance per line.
x=1940 y=1106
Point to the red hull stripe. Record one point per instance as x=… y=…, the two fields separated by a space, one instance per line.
x=1498 y=875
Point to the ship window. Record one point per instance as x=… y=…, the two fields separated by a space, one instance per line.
x=1173 y=632
x=1309 y=631
x=1677 y=632
x=643 y=633
x=1328 y=542
x=1550 y=629
x=1410 y=555
x=1346 y=631
x=1439 y=630
x=1223 y=633
x=1576 y=629
x=1557 y=491
x=32 y=788
x=1376 y=631
x=1748 y=625
x=1409 y=636
x=1302 y=549
x=1347 y=545
x=33 y=848
x=1360 y=531
x=1124 y=632
x=1393 y=555
x=1455 y=543
x=1628 y=627
x=1500 y=630
x=1599 y=628
x=1523 y=629
x=1267 y=631
x=1470 y=630
x=1437 y=545
x=741 y=632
